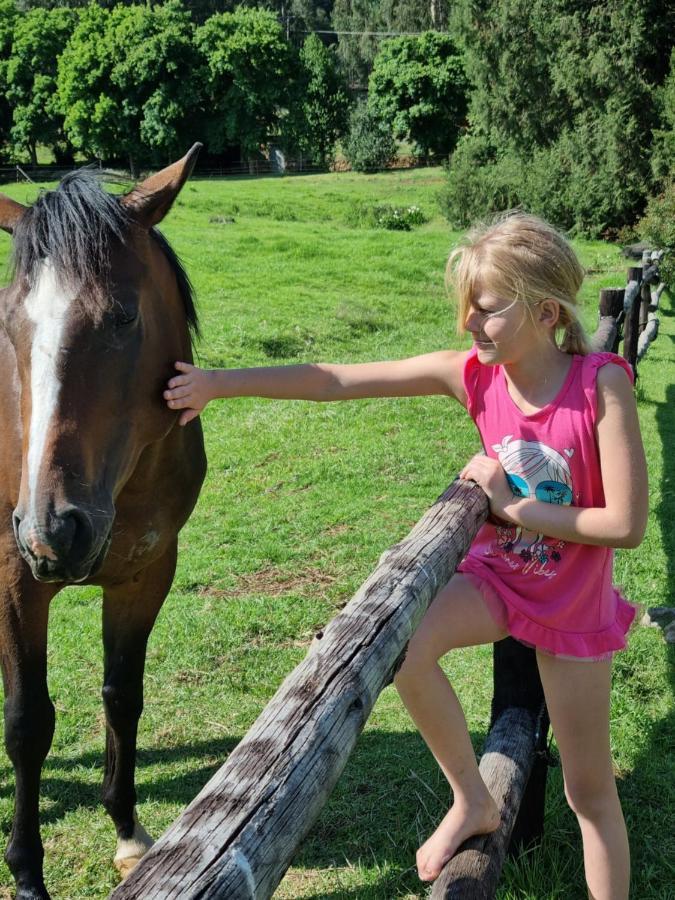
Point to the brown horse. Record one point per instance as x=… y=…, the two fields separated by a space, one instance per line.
x=96 y=479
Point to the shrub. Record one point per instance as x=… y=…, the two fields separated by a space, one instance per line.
x=663 y=152
x=585 y=182
x=658 y=227
x=370 y=144
x=393 y=218
x=480 y=182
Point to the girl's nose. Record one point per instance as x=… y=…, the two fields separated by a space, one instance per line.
x=471 y=321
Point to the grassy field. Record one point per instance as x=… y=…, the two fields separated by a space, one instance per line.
x=299 y=502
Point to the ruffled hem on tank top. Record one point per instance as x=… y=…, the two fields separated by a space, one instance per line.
x=590 y=645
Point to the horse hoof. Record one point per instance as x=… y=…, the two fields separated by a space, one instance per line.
x=127 y=865
x=131 y=851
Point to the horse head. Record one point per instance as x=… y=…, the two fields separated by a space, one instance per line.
x=98 y=310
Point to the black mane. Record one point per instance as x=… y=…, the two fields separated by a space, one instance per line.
x=74 y=225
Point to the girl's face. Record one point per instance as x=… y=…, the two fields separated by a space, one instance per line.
x=502 y=330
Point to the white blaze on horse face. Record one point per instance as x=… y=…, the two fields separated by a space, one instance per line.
x=47 y=305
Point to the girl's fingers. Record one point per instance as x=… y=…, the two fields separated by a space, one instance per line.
x=183 y=366
x=178 y=381
x=188 y=416
x=177 y=393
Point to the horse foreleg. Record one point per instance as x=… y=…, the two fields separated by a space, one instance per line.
x=29 y=721
x=129 y=612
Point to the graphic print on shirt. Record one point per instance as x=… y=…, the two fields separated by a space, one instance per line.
x=533 y=470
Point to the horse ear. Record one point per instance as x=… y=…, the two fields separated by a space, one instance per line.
x=151 y=200
x=10 y=213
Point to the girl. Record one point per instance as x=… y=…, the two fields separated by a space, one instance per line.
x=564 y=471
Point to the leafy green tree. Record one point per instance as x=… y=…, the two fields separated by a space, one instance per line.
x=567 y=87
x=370 y=144
x=8 y=17
x=362 y=17
x=419 y=86
x=311 y=15
x=127 y=85
x=658 y=227
x=319 y=115
x=663 y=157
x=249 y=71
x=39 y=37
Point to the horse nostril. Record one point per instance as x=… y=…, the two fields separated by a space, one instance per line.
x=72 y=533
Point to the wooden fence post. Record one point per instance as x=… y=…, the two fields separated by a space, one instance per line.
x=632 y=312
x=608 y=333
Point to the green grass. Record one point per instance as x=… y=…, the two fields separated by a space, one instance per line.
x=299 y=503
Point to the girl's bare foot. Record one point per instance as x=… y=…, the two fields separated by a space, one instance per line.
x=460 y=823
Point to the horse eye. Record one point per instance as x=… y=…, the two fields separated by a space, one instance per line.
x=124 y=315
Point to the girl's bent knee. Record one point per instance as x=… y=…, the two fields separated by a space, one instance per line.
x=415 y=666
x=592 y=801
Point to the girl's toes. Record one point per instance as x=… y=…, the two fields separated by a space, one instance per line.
x=425 y=869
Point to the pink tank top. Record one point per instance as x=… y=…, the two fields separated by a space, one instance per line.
x=558 y=595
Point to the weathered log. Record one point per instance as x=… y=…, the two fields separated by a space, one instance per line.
x=608 y=332
x=632 y=312
x=506 y=764
x=514 y=767
x=651 y=329
x=237 y=838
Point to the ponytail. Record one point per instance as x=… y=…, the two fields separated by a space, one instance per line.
x=574 y=339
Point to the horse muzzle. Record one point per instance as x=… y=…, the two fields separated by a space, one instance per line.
x=65 y=546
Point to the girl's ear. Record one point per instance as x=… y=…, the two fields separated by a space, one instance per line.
x=549 y=313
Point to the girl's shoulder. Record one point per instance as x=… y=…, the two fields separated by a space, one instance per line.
x=610 y=364
x=475 y=378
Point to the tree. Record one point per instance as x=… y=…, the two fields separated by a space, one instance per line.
x=311 y=15
x=370 y=144
x=127 y=85
x=8 y=17
x=320 y=113
x=39 y=37
x=419 y=86
x=564 y=91
x=248 y=71
x=363 y=17
x=663 y=157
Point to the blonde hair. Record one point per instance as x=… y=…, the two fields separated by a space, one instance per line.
x=519 y=257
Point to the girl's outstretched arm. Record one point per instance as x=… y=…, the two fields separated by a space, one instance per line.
x=621 y=522
x=431 y=373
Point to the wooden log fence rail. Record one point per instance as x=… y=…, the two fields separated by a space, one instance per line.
x=631 y=313
x=237 y=838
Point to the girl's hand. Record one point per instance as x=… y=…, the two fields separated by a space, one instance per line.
x=190 y=391
x=489 y=474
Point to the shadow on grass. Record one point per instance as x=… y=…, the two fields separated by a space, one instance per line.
x=65 y=789
x=650 y=783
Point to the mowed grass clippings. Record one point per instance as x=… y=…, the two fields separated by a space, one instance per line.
x=300 y=501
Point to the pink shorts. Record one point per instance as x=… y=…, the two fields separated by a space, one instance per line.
x=497 y=609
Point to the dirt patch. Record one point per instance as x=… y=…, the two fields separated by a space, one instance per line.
x=274 y=582
x=337 y=529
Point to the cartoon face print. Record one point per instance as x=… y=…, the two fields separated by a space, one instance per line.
x=535 y=470
x=532 y=470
